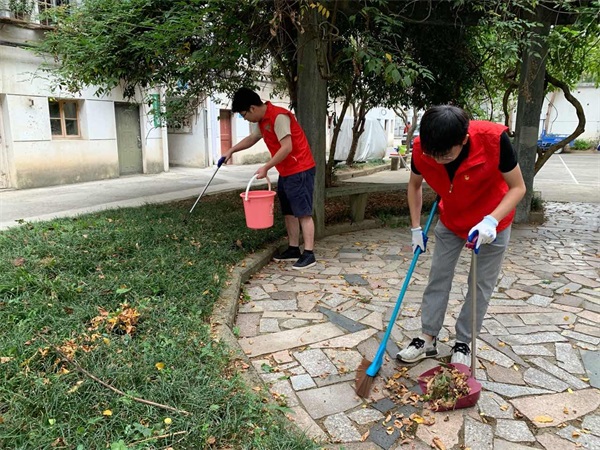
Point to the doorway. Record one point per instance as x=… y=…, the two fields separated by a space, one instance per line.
x=4 y=177
x=129 y=138
x=225 y=129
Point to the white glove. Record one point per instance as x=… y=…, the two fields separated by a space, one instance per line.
x=486 y=231
x=418 y=239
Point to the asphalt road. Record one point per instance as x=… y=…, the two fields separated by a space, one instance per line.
x=570 y=177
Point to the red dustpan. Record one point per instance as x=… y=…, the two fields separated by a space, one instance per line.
x=474 y=386
x=463 y=402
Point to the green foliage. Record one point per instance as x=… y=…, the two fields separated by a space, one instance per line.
x=21 y=7
x=56 y=280
x=583 y=144
x=189 y=48
x=573 y=48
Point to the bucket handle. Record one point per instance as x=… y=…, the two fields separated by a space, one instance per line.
x=250 y=182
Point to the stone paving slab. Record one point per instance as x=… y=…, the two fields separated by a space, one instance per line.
x=538 y=355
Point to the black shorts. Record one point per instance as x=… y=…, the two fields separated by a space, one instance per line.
x=295 y=193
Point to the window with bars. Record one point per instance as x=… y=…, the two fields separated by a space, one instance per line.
x=64 y=118
x=45 y=5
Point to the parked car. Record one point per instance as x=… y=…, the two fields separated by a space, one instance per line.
x=548 y=139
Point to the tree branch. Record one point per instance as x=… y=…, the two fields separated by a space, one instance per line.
x=544 y=156
x=76 y=365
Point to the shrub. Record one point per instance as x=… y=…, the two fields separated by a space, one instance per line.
x=583 y=144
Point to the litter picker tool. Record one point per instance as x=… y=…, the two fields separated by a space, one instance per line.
x=222 y=159
x=474 y=386
x=367 y=370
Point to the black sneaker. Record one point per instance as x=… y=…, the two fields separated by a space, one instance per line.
x=461 y=353
x=305 y=261
x=289 y=254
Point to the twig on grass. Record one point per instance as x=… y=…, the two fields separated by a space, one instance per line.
x=112 y=388
x=162 y=436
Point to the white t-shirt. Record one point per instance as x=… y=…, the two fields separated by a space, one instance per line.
x=282 y=127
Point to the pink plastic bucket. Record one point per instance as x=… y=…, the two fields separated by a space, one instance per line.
x=258 y=206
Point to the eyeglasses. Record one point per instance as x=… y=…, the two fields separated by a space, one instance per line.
x=450 y=155
x=245 y=113
x=447 y=157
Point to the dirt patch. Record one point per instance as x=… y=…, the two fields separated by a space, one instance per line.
x=379 y=205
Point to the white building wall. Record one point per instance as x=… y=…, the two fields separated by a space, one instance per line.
x=386 y=118
x=31 y=155
x=562 y=115
x=188 y=145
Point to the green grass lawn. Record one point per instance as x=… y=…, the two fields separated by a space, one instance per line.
x=126 y=296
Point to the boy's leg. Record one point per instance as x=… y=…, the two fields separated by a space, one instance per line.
x=298 y=192
x=489 y=263
x=308 y=231
x=292 y=253
x=293 y=230
x=435 y=298
x=300 y=195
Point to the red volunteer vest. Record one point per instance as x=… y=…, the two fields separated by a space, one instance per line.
x=478 y=185
x=300 y=159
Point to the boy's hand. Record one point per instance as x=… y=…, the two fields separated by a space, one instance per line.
x=418 y=239
x=261 y=172
x=486 y=231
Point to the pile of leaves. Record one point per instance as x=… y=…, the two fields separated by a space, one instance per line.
x=445 y=388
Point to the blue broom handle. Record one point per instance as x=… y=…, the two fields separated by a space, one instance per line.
x=379 y=356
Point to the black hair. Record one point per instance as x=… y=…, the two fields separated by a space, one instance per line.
x=243 y=99
x=442 y=127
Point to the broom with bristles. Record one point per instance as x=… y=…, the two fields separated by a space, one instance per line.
x=367 y=370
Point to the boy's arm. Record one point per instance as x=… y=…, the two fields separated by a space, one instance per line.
x=516 y=191
x=282 y=153
x=415 y=198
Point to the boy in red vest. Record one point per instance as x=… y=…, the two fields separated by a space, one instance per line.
x=473 y=167
x=291 y=156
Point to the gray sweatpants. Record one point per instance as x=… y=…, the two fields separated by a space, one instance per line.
x=445 y=256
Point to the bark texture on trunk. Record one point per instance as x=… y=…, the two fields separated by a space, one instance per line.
x=529 y=108
x=312 y=110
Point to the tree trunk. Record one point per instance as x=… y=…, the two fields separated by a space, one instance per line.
x=529 y=108
x=358 y=127
x=334 y=139
x=411 y=130
x=312 y=110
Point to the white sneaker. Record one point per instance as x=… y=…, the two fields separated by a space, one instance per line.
x=418 y=349
x=461 y=353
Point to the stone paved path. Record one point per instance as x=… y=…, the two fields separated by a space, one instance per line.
x=539 y=360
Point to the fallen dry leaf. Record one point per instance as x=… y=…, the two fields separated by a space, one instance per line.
x=416 y=418
x=437 y=443
x=364 y=437
x=75 y=387
x=543 y=419
x=18 y=262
